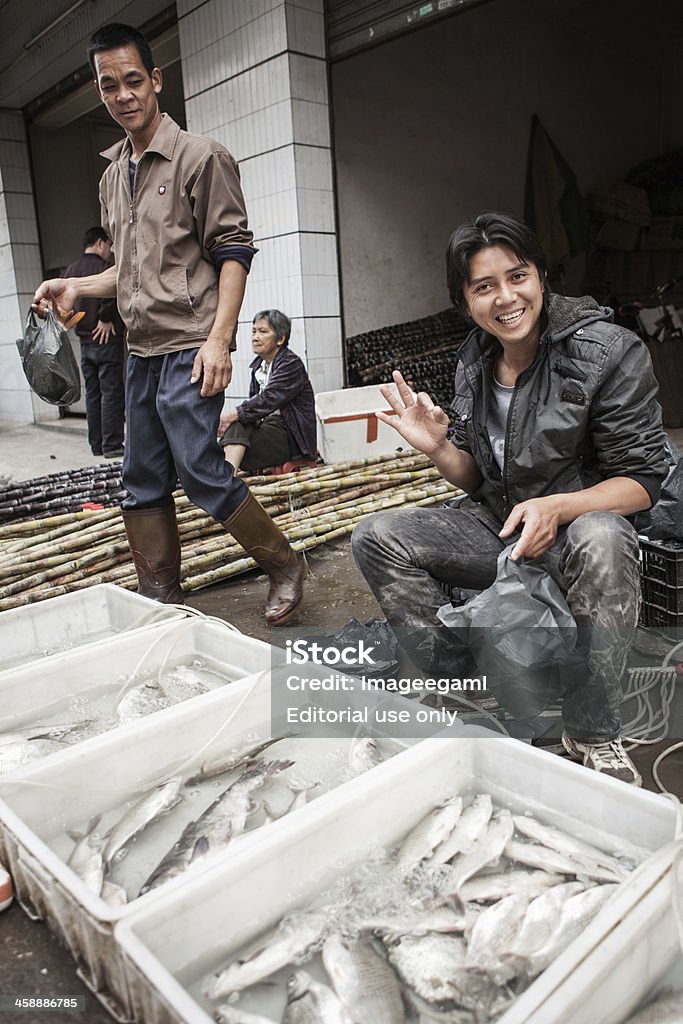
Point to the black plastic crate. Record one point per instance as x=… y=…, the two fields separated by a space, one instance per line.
x=661 y=573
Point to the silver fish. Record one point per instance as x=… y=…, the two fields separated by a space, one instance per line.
x=421 y=841
x=487 y=888
x=666 y=1009
x=86 y=857
x=393 y=926
x=235 y=759
x=114 y=895
x=576 y=914
x=219 y=824
x=227 y=1014
x=139 y=701
x=495 y=931
x=472 y=823
x=310 y=1002
x=15 y=754
x=556 y=839
x=550 y=860
x=145 y=810
x=300 y=791
x=182 y=683
x=363 y=754
x=295 y=935
x=541 y=918
x=487 y=849
x=364 y=981
x=432 y=966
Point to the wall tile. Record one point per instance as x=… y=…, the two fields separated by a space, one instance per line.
x=308 y=78
x=15 y=405
x=313 y=165
x=311 y=123
x=306 y=30
x=323 y=337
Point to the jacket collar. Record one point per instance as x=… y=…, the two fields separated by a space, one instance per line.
x=164 y=143
x=257 y=359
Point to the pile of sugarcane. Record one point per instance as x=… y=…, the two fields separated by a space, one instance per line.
x=47 y=557
x=59 y=493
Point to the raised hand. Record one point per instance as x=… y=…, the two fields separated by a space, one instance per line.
x=421 y=423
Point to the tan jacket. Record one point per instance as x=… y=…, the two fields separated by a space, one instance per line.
x=187 y=202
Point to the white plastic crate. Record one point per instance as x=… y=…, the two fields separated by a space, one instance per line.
x=174 y=942
x=348 y=427
x=638 y=960
x=89 y=780
x=62 y=623
x=92 y=676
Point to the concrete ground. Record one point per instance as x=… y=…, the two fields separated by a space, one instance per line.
x=32 y=962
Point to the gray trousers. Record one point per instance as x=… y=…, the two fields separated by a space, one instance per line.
x=405 y=554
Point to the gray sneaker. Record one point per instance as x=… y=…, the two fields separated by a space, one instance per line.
x=610 y=758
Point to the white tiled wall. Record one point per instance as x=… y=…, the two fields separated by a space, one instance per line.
x=255 y=79
x=20 y=270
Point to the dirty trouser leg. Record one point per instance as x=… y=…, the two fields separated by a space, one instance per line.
x=403 y=556
x=596 y=564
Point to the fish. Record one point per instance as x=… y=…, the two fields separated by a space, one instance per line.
x=86 y=857
x=471 y=824
x=301 y=791
x=145 y=810
x=114 y=895
x=228 y=1014
x=429 y=833
x=432 y=966
x=363 y=980
x=235 y=759
x=182 y=683
x=486 y=888
x=294 y=936
x=539 y=924
x=559 y=863
x=20 y=752
x=363 y=754
x=576 y=849
x=576 y=914
x=311 y=1002
x=219 y=824
x=495 y=930
x=667 y=1009
x=444 y=919
x=486 y=849
x=139 y=701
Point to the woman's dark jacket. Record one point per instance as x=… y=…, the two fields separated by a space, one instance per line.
x=584 y=411
x=288 y=391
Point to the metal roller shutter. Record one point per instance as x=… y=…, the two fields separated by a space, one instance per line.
x=354 y=25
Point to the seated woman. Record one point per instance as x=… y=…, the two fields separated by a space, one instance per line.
x=277 y=422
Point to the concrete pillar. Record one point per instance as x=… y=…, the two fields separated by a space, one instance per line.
x=20 y=270
x=255 y=79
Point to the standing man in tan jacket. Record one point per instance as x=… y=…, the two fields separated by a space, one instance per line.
x=173 y=206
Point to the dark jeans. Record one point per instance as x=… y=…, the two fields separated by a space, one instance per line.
x=102 y=367
x=268 y=443
x=404 y=554
x=172 y=435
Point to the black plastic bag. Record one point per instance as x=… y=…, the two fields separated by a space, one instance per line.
x=522 y=616
x=521 y=633
x=48 y=360
x=664 y=521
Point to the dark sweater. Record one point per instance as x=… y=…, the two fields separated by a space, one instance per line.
x=95 y=309
x=288 y=391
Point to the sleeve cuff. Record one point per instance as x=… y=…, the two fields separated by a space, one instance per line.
x=242 y=254
x=651 y=485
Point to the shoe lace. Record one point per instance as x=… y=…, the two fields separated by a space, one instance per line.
x=610 y=755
